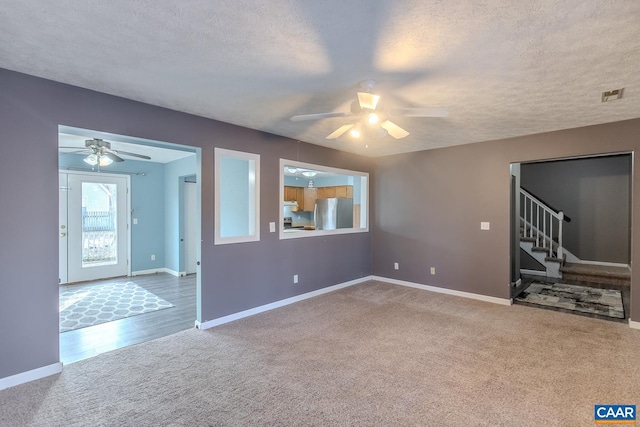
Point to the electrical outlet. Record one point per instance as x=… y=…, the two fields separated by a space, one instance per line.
x=135 y=221
x=485 y=226
x=153 y=257
x=295 y=278
x=433 y=271
x=396 y=266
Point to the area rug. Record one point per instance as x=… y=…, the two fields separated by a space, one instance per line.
x=92 y=305
x=603 y=302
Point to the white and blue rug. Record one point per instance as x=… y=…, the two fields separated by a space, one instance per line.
x=91 y=305
x=603 y=302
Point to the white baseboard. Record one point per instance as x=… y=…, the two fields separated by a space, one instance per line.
x=246 y=313
x=152 y=271
x=634 y=325
x=495 y=300
x=542 y=273
x=32 y=375
x=175 y=273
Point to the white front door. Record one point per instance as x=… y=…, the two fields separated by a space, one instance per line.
x=97 y=244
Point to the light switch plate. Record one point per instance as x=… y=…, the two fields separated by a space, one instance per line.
x=485 y=226
x=272 y=227
x=135 y=221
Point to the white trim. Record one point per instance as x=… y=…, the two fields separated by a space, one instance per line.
x=151 y=271
x=364 y=200
x=175 y=273
x=606 y=264
x=534 y=272
x=246 y=313
x=495 y=300
x=32 y=375
x=254 y=196
x=634 y=325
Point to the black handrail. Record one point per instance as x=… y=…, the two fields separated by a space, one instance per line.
x=565 y=216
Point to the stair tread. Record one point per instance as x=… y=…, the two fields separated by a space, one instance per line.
x=551 y=259
x=597 y=270
x=540 y=249
x=527 y=239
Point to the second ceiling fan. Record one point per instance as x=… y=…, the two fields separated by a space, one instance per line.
x=372 y=119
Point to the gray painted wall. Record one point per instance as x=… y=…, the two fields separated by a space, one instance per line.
x=31 y=110
x=594 y=193
x=428 y=207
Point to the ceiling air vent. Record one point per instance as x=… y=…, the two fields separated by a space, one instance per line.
x=612 y=95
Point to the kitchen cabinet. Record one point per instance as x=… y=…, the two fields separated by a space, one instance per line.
x=308 y=200
x=336 y=191
x=305 y=197
x=290 y=194
x=344 y=191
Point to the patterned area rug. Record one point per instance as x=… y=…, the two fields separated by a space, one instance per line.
x=604 y=302
x=92 y=305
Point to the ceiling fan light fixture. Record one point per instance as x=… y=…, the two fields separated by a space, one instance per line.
x=373 y=119
x=368 y=100
x=355 y=133
x=104 y=161
x=91 y=159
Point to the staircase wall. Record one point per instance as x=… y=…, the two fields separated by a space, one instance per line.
x=595 y=194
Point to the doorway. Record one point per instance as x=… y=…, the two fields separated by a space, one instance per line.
x=94 y=228
x=571 y=234
x=149 y=298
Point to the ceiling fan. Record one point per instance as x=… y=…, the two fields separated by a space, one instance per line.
x=371 y=118
x=100 y=153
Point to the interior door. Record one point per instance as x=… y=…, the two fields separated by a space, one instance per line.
x=63 y=188
x=97 y=227
x=190 y=227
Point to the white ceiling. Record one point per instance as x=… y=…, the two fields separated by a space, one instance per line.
x=504 y=68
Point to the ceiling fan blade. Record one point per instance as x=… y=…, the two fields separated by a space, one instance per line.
x=302 y=117
x=420 y=112
x=393 y=129
x=113 y=156
x=77 y=148
x=338 y=132
x=368 y=100
x=140 y=156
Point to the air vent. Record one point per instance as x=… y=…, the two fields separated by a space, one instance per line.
x=612 y=95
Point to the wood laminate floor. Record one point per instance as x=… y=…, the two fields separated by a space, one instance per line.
x=180 y=291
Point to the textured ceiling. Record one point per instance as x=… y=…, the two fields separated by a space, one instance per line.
x=503 y=68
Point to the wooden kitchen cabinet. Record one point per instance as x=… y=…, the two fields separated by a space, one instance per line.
x=305 y=197
x=308 y=199
x=344 y=191
x=290 y=194
x=336 y=191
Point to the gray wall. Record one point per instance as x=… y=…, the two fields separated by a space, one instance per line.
x=424 y=216
x=595 y=194
x=233 y=277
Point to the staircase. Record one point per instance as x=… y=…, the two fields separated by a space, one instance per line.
x=541 y=237
x=541 y=233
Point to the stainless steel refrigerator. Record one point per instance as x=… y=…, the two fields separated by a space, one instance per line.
x=333 y=213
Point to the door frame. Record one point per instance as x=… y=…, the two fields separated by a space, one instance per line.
x=127 y=177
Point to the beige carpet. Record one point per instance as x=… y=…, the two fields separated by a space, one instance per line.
x=371 y=354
